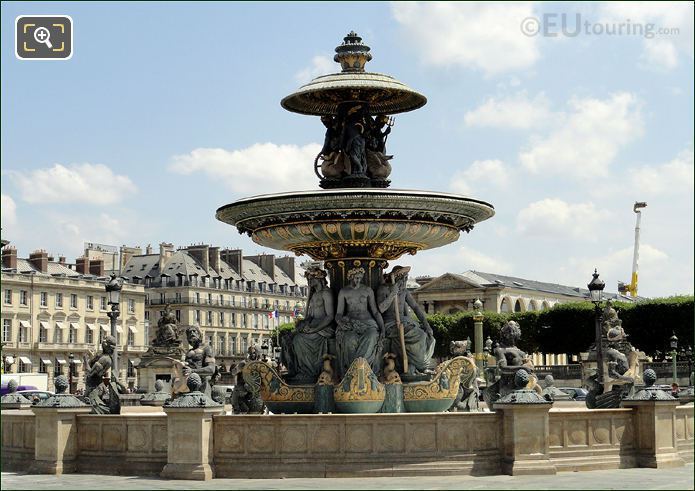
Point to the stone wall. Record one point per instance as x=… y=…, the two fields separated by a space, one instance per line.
x=17 y=439
x=123 y=444
x=349 y=445
x=591 y=440
x=685 y=438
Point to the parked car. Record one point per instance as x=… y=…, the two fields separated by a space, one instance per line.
x=35 y=396
x=5 y=390
x=576 y=393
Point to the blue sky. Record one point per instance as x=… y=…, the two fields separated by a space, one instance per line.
x=167 y=111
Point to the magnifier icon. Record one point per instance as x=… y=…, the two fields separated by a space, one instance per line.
x=43 y=36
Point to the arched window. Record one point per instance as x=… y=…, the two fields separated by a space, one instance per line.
x=505 y=306
x=517 y=305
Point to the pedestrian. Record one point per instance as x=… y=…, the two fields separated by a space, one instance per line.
x=674 y=390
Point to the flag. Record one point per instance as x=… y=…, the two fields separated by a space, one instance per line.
x=295 y=312
x=276 y=314
x=270 y=314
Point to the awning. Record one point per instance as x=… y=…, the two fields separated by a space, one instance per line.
x=46 y=361
x=74 y=325
x=25 y=360
x=133 y=329
x=104 y=327
x=91 y=327
x=119 y=329
x=25 y=323
x=60 y=325
x=43 y=324
x=77 y=362
x=61 y=360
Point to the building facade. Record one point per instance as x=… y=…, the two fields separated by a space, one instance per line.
x=52 y=310
x=451 y=293
x=236 y=300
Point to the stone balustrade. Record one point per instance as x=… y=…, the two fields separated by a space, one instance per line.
x=333 y=445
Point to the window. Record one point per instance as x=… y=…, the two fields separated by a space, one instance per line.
x=197 y=315
x=233 y=323
x=255 y=303
x=178 y=316
x=8 y=297
x=44 y=299
x=147 y=315
x=233 y=301
x=209 y=298
x=72 y=335
x=23 y=297
x=90 y=302
x=89 y=336
x=6 y=330
x=178 y=297
x=255 y=321
x=197 y=297
x=131 y=369
x=162 y=298
x=244 y=320
x=57 y=335
x=131 y=305
x=43 y=335
x=59 y=300
x=221 y=299
x=103 y=303
x=265 y=321
x=43 y=368
x=57 y=368
x=232 y=346
x=22 y=367
x=23 y=334
x=244 y=344
x=131 y=337
x=222 y=319
x=243 y=301
x=209 y=317
x=73 y=301
x=220 y=344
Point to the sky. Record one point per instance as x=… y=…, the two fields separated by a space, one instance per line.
x=167 y=111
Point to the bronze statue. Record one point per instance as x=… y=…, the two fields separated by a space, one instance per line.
x=199 y=359
x=304 y=347
x=97 y=366
x=360 y=328
x=166 y=330
x=402 y=330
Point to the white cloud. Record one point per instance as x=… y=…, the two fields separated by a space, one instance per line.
x=454 y=259
x=320 y=65
x=669 y=178
x=660 y=48
x=554 y=218
x=484 y=36
x=490 y=172
x=259 y=169
x=77 y=183
x=9 y=211
x=517 y=111
x=589 y=138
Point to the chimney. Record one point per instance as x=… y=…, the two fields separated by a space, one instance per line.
x=96 y=267
x=61 y=260
x=214 y=258
x=39 y=260
x=266 y=262
x=200 y=253
x=148 y=249
x=82 y=265
x=127 y=253
x=233 y=258
x=287 y=265
x=9 y=257
x=166 y=250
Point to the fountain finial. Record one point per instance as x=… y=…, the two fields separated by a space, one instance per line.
x=352 y=54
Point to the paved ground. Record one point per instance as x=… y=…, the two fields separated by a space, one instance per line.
x=630 y=479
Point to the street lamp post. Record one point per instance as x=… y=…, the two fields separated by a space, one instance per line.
x=674 y=356
x=71 y=366
x=689 y=356
x=113 y=289
x=596 y=287
x=486 y=354
x=478 y=333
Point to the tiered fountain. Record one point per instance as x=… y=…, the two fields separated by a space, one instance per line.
x=354 y=222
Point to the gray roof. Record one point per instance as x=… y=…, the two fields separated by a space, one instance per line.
x=488 y=280
x=54 y=268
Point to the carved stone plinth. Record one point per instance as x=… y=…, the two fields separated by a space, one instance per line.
x=190 y=442
x=55 y=447
x=525 y=449
x=656 y=434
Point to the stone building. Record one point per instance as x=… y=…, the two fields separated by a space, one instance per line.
x=229 y=295
x=51 y=309
x=451 y=293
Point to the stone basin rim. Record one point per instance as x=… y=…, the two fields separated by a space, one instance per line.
x=409 y=193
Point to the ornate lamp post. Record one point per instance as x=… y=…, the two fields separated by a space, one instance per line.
x=486 y=352
x=71 y=367
x=596 y=287
x=478 y=334
x=674 y=356
x=113 y=289
x=689 y=356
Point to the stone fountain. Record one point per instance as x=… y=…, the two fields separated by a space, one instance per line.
x=355 y=225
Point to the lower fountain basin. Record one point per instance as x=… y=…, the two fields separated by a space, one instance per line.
x=328 y=224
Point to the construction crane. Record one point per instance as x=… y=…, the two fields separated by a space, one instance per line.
x=632 y=287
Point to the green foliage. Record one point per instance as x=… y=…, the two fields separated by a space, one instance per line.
x=570 y=327
x=287 y=326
